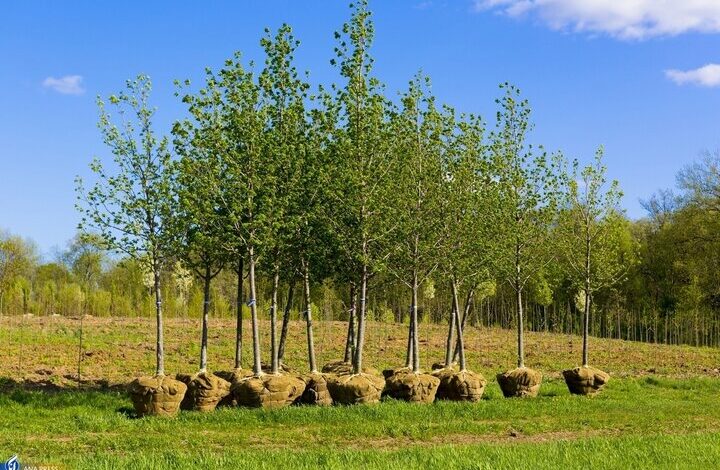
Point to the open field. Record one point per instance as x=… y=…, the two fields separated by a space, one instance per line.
x=660 y=409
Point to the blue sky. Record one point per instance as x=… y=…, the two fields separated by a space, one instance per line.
x=637 y=77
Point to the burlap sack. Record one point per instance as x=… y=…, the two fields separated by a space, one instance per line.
x=231 y=376
x=520 y=382
x=156 y=396
x=316 y=390
x=267 y=391
x=204 y=391
x=460 y=386
x=355 y=389
x=585 y=380
x=407 y=385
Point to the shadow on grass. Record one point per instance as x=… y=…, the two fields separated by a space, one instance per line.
x=46 y=394
x=9 y=384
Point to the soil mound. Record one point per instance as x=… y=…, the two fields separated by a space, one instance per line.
x=355 y=389
x=407 y=385
x=520 y=382
x=267 y=391
x=585 y=380
x=156 y=396
x=204 y=391
x=460 y=386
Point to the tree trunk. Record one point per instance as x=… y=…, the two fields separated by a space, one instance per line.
x=308 y=319
x=159 y=345
x=357 y=359
x=410 y=349
x=206 y=308
x=239 y=326
x=586 y=321
x=520 y=335
x=273 y=322
x=459 y=327
x=252 y=303
x=351 y=340
x=414 y=325
x=286 y=321
x=449 y=340
x=466 y=314
x=586 y=313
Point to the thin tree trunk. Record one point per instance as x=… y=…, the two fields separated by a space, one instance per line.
x=286 y=321
x=414 y=326
x=586 y=313
x=520 y=336
x=239 y=325
x=159 y=345
x=586 y=321
x=273 y=322
x=357 y=362
x=206 y=308
x=459 y=329
x=308 y=319
x=410 y=350
x=252 y=303
x=350 y=341
x=466 y=314
x=449 y=340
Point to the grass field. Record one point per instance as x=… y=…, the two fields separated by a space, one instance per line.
x=660 y=410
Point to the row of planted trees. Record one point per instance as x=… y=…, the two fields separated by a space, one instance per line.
x=343 y=183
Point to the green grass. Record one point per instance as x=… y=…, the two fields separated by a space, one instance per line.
x=636 y=422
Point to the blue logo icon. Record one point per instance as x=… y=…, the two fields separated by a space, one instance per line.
x=12 y=463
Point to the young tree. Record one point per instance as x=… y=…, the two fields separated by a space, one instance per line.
x=229 y=108
x=283 y=96
x=359 y=198
x=130 y=208
x=418 y=128
x=197 y=222
x=590 y=229
x=469 y=198
x=529 y=188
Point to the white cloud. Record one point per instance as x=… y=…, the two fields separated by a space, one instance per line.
x=624 y=19
x=67 y=85
x=707 y=76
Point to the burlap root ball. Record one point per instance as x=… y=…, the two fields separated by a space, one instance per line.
x=267 y=391
x=316 y=390
x=460 y=386
x=407 y=385
x=442 y=372
x=441 y=365
x=520 y=382
x=345 y=368
x=156 y=396
x=354 y=389
x=232 y=376
x=585 y=380
x=204 y=391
